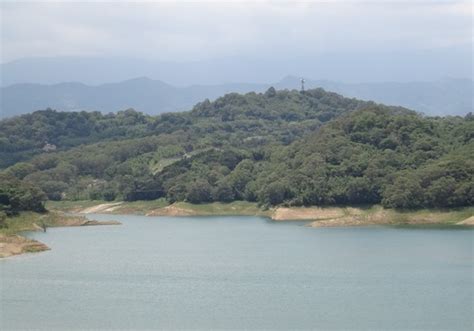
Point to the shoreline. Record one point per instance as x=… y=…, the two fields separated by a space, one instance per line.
x=13 y=244
x=315 y=216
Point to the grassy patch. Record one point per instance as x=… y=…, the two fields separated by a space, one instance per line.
x=21 y=222
x=144 y=207
x=30 y=221
x=219 y=208
x=34 y=248
x=439 y=216
x=163 y=163
x=72 y=206
x=140 y=207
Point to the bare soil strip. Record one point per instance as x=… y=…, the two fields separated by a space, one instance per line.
x=14 y=245
x=308 y=213
x=102 y=208
x=467 y=221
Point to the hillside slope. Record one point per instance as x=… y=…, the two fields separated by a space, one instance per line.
x=240 y=120
x=280 y=147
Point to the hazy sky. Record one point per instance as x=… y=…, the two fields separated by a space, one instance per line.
x=200 y=30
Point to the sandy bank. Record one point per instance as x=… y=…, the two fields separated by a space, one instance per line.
x=126 y=208
x=316 y=216
x=15 y=245
x=467 y=221
x=102 y=208
x=171 y=210
x=312 y=213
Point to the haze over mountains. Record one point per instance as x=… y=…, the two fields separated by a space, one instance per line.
x=443 y=97
x=399 y=56
x=349 y=66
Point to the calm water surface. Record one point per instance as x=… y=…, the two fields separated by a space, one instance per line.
x=240 y=272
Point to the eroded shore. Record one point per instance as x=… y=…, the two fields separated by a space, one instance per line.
x=315 y=216
x=15 y=245
x=11 y=243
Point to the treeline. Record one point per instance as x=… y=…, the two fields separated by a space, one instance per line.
x=113 y=155
x=280 y=147
x=23 y=137
x=17 y=195
x=256 y=118
x=370 y=156
x=375 y=155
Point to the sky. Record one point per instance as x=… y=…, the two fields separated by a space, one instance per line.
x=204 y=30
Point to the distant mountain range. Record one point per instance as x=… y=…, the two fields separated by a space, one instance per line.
x=143 y=94
x=444 y=97
x=347 y=66
x=437 y=98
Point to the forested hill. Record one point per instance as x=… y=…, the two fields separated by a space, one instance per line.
x=280 y=147
x=241 y=120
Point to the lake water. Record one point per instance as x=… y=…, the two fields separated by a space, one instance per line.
x=240 y=272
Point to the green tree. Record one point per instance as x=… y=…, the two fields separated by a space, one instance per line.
x=199 y=191
x=405 y=192
x=21 y=170
x=223 y=192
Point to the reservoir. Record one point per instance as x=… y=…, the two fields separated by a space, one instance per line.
x=240 y=273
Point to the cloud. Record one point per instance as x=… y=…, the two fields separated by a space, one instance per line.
x=183 y=31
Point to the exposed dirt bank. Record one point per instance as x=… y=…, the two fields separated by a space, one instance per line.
x=15 y=245
x=467 y=221
x=171 y=210
x=312 y=213
x=317 y=216
x=102 y=208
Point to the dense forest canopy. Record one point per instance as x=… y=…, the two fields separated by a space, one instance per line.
x=272 y=116
x=277 y=147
